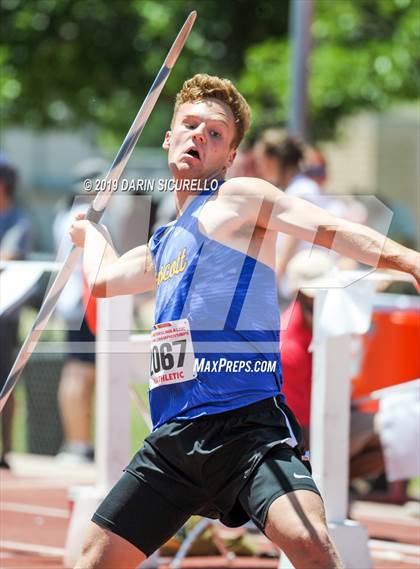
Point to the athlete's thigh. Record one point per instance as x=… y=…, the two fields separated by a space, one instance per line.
x=139 y=514
x=280 y=474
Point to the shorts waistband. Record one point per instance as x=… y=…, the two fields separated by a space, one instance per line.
x=268 y=404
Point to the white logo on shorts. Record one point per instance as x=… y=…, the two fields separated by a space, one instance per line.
x=301 y=476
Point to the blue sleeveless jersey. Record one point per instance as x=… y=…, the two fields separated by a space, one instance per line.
x=230 y=302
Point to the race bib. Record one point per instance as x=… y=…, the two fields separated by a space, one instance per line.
x=172 y=354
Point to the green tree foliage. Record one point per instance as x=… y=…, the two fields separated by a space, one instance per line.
x=78 y=62
x=72 y=63
x=366 y=55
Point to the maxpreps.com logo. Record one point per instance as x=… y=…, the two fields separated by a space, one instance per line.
x=168 y=271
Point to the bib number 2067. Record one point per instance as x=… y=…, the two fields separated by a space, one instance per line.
x=172 y=354
x=167 y=356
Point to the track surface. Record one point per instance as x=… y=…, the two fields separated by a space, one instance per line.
x=35 y=513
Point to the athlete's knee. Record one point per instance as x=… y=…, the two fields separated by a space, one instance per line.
x=104 y=550
x=314 y=540
x=313 y=548
x=308 y=545
x=94 y=548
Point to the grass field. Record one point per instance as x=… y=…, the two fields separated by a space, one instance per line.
x=19 y=426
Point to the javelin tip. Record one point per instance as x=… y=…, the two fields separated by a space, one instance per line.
x=180 y=40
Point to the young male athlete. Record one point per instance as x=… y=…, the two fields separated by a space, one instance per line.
x=224 y=444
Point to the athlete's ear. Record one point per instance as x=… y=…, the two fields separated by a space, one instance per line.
x=167 y=140
x=231 y=157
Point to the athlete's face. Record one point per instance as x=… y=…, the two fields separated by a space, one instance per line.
x=200 y=143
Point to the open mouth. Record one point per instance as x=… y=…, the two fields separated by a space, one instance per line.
x=194 y=153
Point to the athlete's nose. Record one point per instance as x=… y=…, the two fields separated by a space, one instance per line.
x=199 y=133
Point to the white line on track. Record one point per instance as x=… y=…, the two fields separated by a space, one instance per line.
x=398 y=552
x=408 y=548
x=44 y=484
x=394 y=556
x=378 y=518
x=32 y=509
x=33 y=548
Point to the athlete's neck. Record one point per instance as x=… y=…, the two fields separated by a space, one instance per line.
x=188 y=189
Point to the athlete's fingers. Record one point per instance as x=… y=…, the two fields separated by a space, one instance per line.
x=77 y=232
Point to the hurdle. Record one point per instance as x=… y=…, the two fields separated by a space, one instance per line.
x=332 y=370
x=123 y=358
x=336 y=359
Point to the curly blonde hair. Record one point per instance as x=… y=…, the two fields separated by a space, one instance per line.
x=203 y=86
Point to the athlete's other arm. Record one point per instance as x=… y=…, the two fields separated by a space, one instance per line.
x=108 y=274
x=304 y=220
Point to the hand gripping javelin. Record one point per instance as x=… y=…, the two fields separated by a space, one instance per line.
x=96 y=209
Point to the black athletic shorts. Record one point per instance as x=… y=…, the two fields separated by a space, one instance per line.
x=230 y=466
x=8 y=343
x=82 y=335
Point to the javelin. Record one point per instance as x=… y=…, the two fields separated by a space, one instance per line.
x=96 y=209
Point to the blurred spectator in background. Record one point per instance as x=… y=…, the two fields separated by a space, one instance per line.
x=306 y=274
x=15 y=244
x=315 y=166
x=244 y=163
x=278 y=156
x=77 y=382
x=279 y=159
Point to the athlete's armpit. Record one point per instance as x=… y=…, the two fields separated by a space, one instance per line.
x=148 y=262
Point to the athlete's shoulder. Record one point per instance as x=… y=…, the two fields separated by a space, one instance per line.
x=248 y=187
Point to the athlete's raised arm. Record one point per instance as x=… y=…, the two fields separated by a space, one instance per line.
x=304 y=220
x=107 y=273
